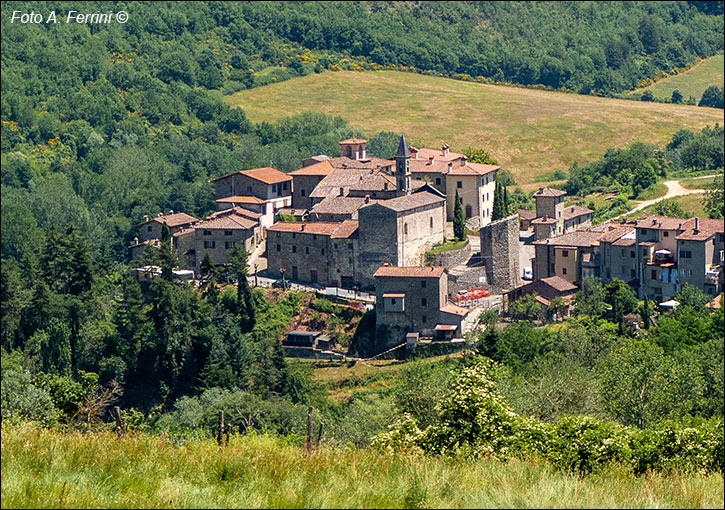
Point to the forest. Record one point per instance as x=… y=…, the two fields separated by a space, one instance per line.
x=103 y=124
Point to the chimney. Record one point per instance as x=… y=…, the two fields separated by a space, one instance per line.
x=697 y=225
x=430 y=160
x=171 y=211
x=464 y=159
x=413 y=150
x=367 y=197
x=450 y=165
x=158 y=215
x=386 y=264
x=146 y=217
x=342 y=191
x=363 y=152
x=444 y=149
x=135 y=240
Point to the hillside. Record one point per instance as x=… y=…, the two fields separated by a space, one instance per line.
x=529 y=132
x=52 y=469
x=710 y=71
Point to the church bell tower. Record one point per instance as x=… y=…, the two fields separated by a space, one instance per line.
x=402 y=167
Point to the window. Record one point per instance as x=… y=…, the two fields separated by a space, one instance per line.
x=322 y=251
x=563 y=270
x=565 y=253
x=284 y=185
x=631 y=253
x=149 y=228
x=349 y=246
x=423 y=302
x=486 y=196
x=438 y=181
x=228 y=245
x=392 y=301
x=228 y=232
x=314 y=237
x=431 y=224
x=653 y=275
x=302 y=192
x=722 y=255
x=294 y=249
x=686 y=254
x=631 y=273
x=249 y=189
x=307 y=250
x=423 y=283
x=623 y=250
x=552 y=268
x=405 y=228
x=644 y=231
x=459 y=184
x=423 y=319
x=294 y=235
x=278 y=248
x=207 y=232
x=210 y=244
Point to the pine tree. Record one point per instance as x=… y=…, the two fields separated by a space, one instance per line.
x=459 y=221
x=209 y=277
x=245 y=309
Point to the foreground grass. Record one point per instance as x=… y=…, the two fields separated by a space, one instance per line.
x=530 y=132
x=43 y=469
x=710 y=71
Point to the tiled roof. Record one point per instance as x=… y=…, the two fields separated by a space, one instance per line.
x=345 y=163
x=454 y=309
x=549 y=192
x=445 y=327
x=559 y=284
x=526 y=214
x=410 y=272
x=450 y=166
x=579 y=238
x=345 y=230
x=172 y=220
x=338 y=178
x=317 y=227
x=543 y=220
x=394 y=294
x=542 y=300
x=617 y=233
x=266 y=175
x=184 y=231
x=340 y=205
x=715 y=303
x=706 y=228
x=375 y=182
x=241 y=199
x=156 y=243
x=573 y=211
x=322 y=168
x=660 y=223
x=424 y=154
x=241 y=211
x=230 y=222
x=471 y=168
x=407 y=202
x=354 y=140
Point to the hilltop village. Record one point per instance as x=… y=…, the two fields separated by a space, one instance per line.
x=360 y=222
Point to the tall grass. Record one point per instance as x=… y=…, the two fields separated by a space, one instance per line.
x=48 y=468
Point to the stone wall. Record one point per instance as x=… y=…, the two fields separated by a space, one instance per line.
x=500 y=253
x=452 y=258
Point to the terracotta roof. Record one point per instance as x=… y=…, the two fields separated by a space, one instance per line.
x=252 y=215
x=579 y=239
x=573 y=211
x=454 y=309
x=338 y=178
x=184 y=231
x=340 y=205
x=317 y=227
x=559 y=284
x=322 y=168
x=407 y=202
x=441 y=166
x=345 y=230
x=354 y=140
x=230 y=222
x=526 y=214
x=394 y=294
x=660 y=223
x=706 y=228
x=715 y=303
x=156 y=243
x=543 y=220
x=617 y=233
x=471 y=168
x=410 y=272
x=549 y=192
x=445 y=327
x=266 y=175
x=345 y=163
x=375 y=182
x=172 y=220
x=424 y=153
x=241 y=199
x=542 y=300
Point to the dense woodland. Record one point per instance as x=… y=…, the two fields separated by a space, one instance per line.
x=103 y=124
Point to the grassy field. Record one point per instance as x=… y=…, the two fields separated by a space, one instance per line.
x=530 y=132
x=52 y=469
x=697 y=183
x=710 y=71
x=691 y=204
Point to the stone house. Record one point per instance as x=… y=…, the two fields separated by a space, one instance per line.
x=318 y=252
x=553 y=219
x=701 y=256
x=617 y=254
x=399 y=231
x=545 y=290
x=269 y=185
x=151 y=228
x=525 y=218
x=219 y=235
x=305 y=180
x=573 y=256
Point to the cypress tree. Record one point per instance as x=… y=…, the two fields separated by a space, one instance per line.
x=245 y=309
x=459 y=221
x=498 y=203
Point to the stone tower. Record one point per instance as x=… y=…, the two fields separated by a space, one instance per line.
x=402 y=167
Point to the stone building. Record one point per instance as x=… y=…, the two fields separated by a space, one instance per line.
x=399 y=231
x=272 y=187
x=305 y=180
x=572 y=256
x=500 y=252
x=219 y=235
x=545 y=290
x=317 y=252
x=553 y=219
x=617 y=254
x=151 y=228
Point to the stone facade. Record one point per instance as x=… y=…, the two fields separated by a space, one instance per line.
x=500 y=252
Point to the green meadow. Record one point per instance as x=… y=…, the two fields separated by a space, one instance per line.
x=693 y=82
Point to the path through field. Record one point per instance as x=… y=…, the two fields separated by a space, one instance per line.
x=674 y=189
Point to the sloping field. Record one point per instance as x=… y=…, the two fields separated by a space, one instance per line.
x=529 y=132
x=710 y=71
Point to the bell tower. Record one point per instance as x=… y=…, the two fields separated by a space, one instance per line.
x=402 y=167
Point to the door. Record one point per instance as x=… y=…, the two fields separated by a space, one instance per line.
x=313 y=275
x=469 y=211
x=294 y=273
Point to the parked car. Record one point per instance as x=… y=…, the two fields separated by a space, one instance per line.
x=528 y=274
x=280 y=284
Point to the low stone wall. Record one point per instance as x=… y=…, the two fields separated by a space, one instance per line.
x=454 y=257
x=310 y=353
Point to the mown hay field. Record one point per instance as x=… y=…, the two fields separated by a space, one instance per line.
x=711 y=71
x=52 y=469
x=530 y=132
